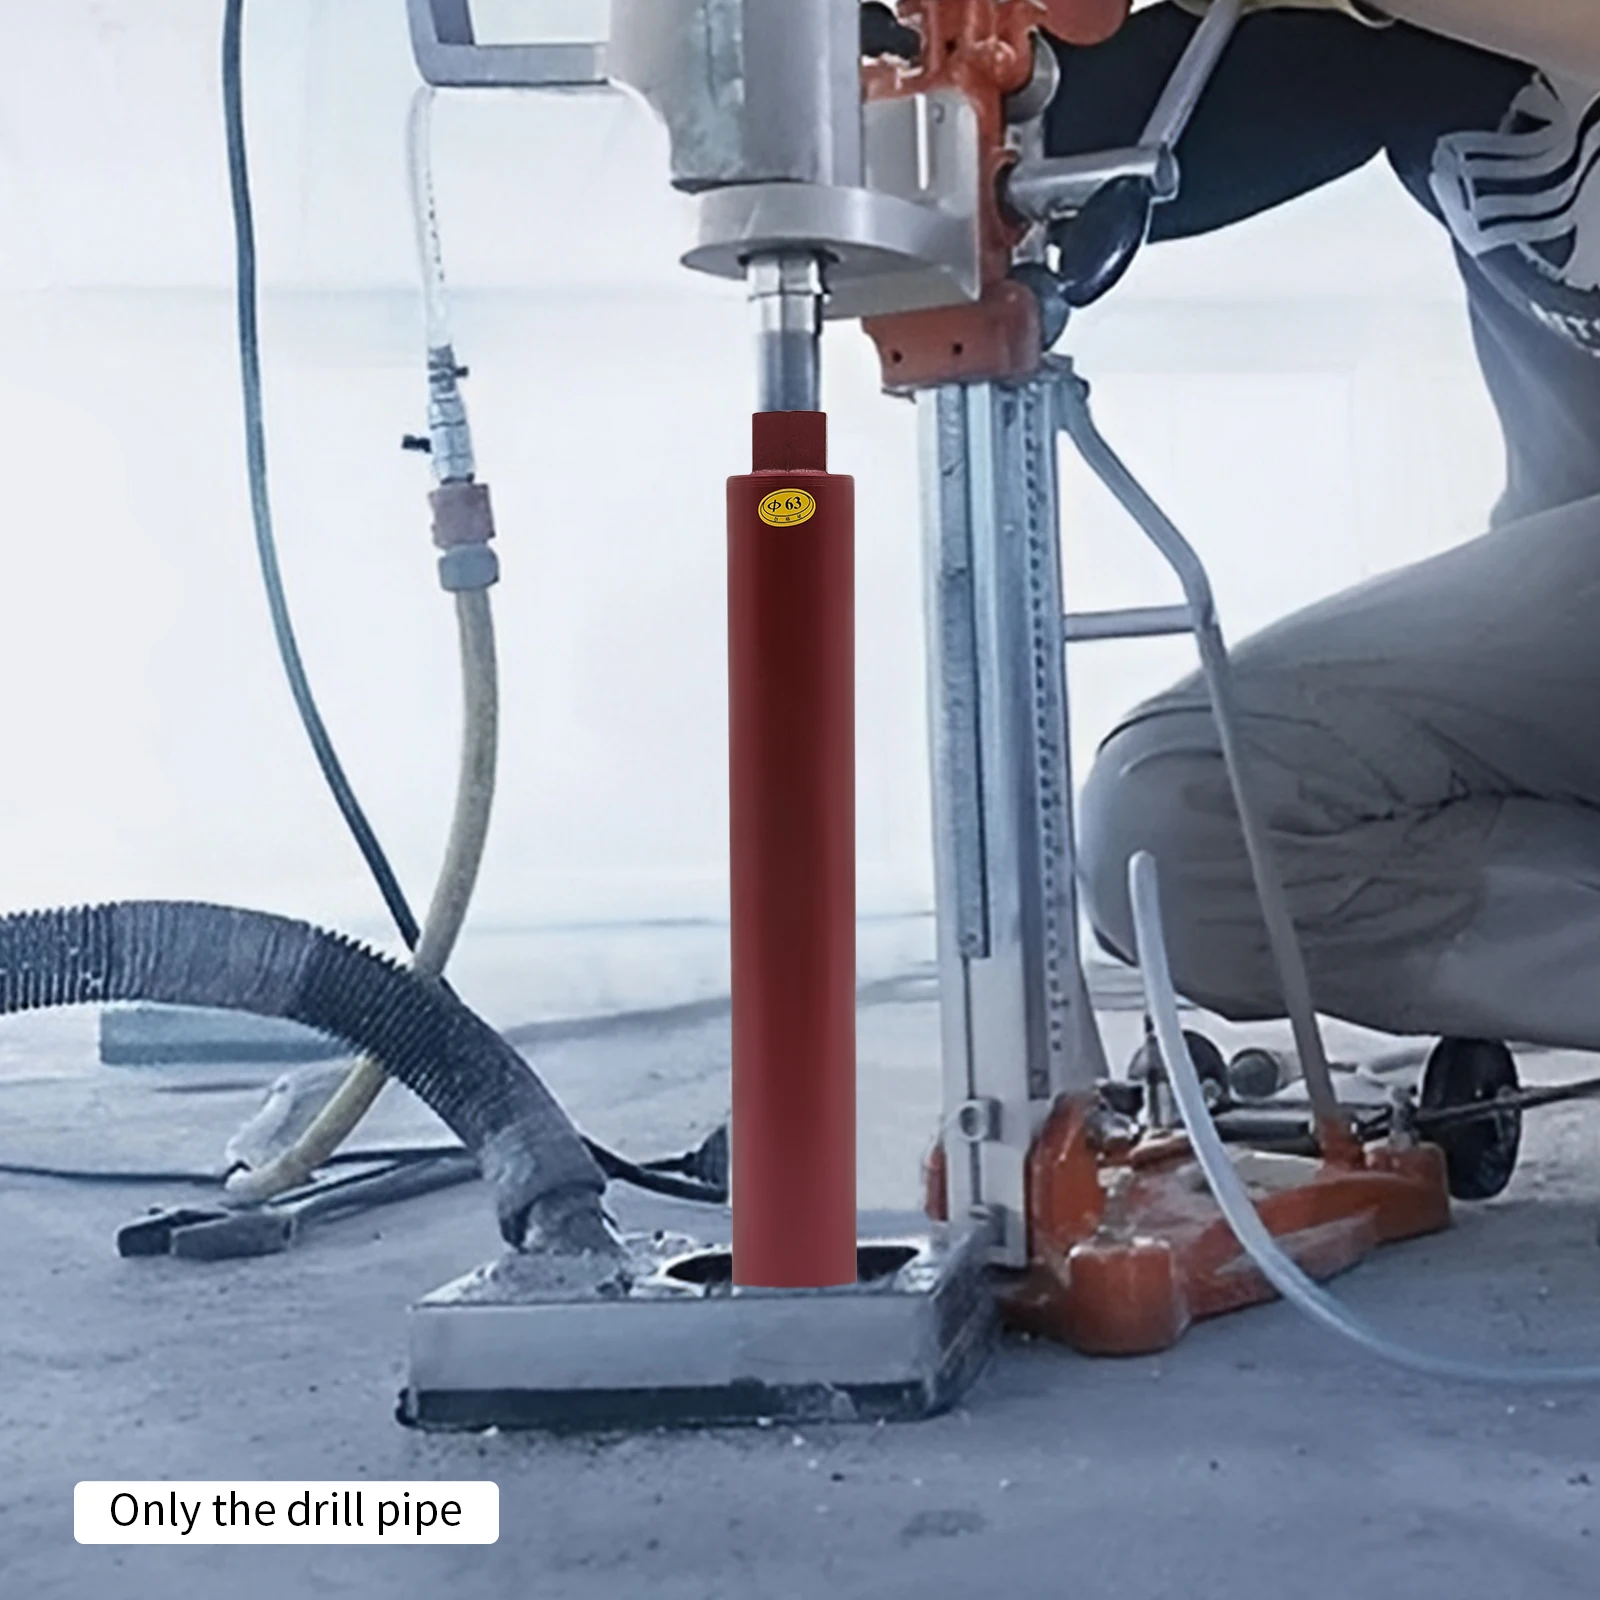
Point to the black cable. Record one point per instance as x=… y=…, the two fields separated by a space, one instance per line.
x=215 y=1180
x=260 y=502
x=395 y=1155
x=653 y=1176
x=19 y=1169
x=266 y=546
x=653 y=1179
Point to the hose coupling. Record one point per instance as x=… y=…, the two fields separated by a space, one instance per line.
x=463 y=525
x=449 y=435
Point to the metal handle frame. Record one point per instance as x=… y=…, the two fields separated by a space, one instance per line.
x=1077 y=421
x=1044 y=190
x=449 y=56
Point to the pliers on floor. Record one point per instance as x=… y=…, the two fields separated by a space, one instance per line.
x=219 y=1233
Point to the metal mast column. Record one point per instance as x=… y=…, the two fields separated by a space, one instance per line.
x=1016 y=1027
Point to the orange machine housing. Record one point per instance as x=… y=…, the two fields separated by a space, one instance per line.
x=984 y=48
x=1126 y=1247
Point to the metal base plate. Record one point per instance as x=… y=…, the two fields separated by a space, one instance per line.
x=676 y=1345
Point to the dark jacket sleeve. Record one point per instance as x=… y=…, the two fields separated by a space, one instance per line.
x=1300 y=98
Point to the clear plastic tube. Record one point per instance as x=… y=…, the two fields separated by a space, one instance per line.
x=1234 y=1201
x=469 y=826
x=425 y=217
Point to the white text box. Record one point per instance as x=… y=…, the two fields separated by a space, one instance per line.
x=286 y=1512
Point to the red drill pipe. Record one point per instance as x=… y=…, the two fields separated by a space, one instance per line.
x=791 y=758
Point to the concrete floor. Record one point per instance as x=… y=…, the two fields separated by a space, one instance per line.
x=1258 y=1458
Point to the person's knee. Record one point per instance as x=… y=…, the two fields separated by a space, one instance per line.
x=1161 y=786
x=1150 y=789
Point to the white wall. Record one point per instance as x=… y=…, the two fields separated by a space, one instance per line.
x=1300 y=392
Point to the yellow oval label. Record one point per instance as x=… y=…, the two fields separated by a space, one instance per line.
x=786 y=507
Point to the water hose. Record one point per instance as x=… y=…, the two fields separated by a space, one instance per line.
x=451 y=896
x=466 y=567
x=547 y=1187
x=1233 y=1199
x=425 y=218
x=431 y=947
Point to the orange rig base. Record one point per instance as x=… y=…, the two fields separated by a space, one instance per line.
x=1127 y=1248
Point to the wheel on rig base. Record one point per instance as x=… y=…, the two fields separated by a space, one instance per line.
x=1258 y=1074
x=1481 y=1155
x=1208 y=1064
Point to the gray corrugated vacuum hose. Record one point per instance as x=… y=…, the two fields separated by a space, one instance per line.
x=546 y=1185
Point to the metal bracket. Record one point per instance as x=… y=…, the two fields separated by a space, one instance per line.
x=978 y=1120
x=449 y=56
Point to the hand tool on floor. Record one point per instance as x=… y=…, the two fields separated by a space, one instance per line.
x=218 y=1233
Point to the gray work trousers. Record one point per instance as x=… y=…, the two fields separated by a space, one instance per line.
x=1426 y=751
